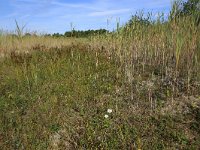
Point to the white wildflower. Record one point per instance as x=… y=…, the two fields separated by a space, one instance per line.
x=106 y=116
x=109 y=111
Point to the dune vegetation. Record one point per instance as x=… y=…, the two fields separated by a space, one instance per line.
x=135 y=88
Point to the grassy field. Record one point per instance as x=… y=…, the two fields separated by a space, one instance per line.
x=137 y=88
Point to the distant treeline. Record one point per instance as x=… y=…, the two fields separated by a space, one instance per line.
x=73 y=33
x=78 y=33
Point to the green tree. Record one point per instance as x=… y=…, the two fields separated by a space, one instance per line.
x=191 y=7
x=186 y=8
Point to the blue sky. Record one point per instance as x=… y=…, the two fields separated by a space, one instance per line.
x=49 y=16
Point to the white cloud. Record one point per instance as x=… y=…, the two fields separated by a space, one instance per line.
x=109 y=12
x=70 y=5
